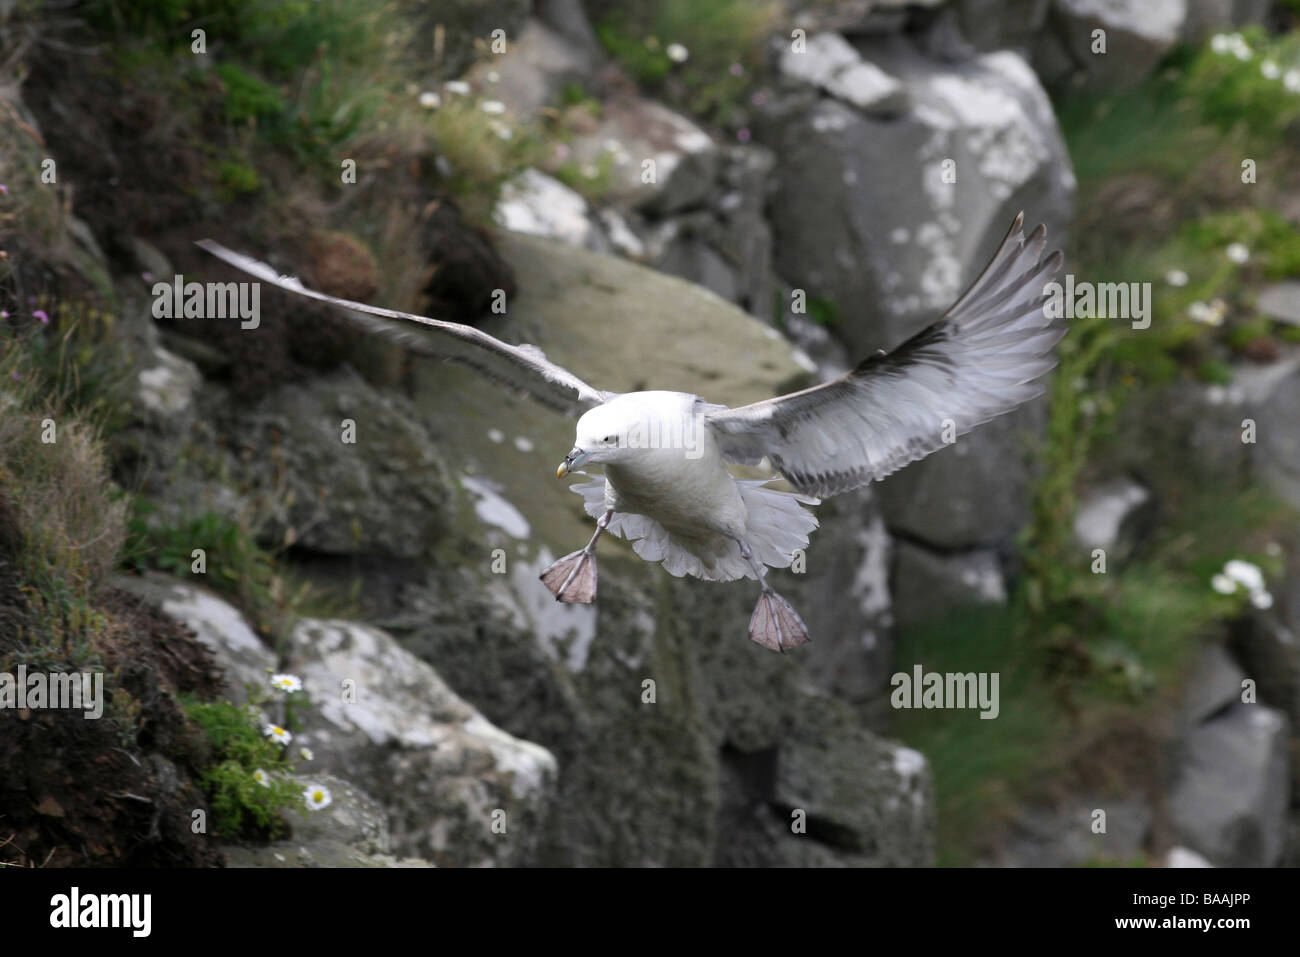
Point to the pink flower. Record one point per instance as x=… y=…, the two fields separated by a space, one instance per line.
x=737 y=70
x=743 y=134
x=147 y=276
x=41 y=315
x=4 y=190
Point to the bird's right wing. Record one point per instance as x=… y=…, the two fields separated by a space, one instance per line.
x=982 y=359
x=523 y=367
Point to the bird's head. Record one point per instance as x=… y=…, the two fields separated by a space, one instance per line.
x=601 y=438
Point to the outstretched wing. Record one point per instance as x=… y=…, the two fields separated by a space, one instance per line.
x=523 y=367
x=982 y=359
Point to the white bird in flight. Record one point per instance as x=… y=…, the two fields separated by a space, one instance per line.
x=666 y=486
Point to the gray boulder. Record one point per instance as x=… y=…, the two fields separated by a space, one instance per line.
x=927 y=584
x=457 y=790
x=1229 y=802
x=537 y=65
x=1113 y=516
x=1137 y=35
x=831 y=64
x=351 y=831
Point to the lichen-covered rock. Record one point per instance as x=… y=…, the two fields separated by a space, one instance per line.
x=1136 y=34
x=926 y=584
x=351 y=831
x=1230 y=798
x=456 y=789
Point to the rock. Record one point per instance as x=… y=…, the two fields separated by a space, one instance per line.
x=928 y=584
x=1000 y=24
x=1182 y=857
x=1113 y=515
x=567 y=18
x=350 y=832
x=1138 y=34
x=239 y=653
x=450 y=776
x=725 y=245
x=1215 y=683
x=1269 y=650
x=386 y=492
x=1281 y=301
x=806 y=806
x=685 y=158
x=1276 y=407
x=540 y=205
x=854 y=16
x=1207 y=16
x=974 y=494
x=1229 y=802
x=537 y=65
x=828 y=62
x=166 y=390
x=1064 y=835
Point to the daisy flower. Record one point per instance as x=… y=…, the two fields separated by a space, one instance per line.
x=1176 y=277
x=262 y=778
x=277 y=734
x=677 y=53
x=317 y=797
x=289 y=683
x=1238 y=252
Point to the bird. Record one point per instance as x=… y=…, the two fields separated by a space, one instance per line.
x=666 y=485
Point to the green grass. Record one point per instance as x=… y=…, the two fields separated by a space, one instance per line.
x=241 y=805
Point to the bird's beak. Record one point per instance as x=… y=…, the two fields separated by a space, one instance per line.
x=571 y=461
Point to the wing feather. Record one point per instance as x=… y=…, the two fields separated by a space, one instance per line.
x=523 y=367
x=983 y=358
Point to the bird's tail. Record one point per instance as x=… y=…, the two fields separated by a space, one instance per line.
x=778 y=525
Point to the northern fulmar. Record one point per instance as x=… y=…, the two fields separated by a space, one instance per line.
x=666 y=486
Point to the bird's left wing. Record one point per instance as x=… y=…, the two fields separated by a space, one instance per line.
x=980 y=360
x=522 y=367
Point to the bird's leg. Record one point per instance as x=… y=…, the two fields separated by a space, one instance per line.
x=775 y=624
x=573 y=577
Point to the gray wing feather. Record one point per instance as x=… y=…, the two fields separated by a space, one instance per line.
x=981 y=360
x=522 y=367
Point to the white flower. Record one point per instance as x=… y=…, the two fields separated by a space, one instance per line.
x=1238 y=46
x=1245 y=573
x=277 y=734
x=289 y=683
x=262 y=778
x=1216 y=394
x=457 y=86
x=1219 y=43
x=430 y=100
x=1261 y=600
x=612 y=145
x=317 y=797
x=1211 y=315
x=492 y=107
x=1273 y=549
x=1238 y=252
x=305 y=754
x=501 y=130
x=588 y=170
x=677 y=53
x=1291 y=80
x=1176 y=277
x=1270 y=69
x=493 y=76
x=1223 y=584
